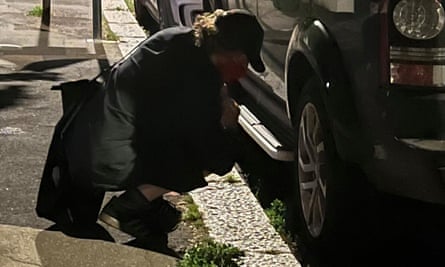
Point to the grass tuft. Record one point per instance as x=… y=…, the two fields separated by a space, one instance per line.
x=107 y=33
x=231 y=179
x=276 y=213
x=192 y=213
x=209 y=253
x=36 y=11
x=130 y=5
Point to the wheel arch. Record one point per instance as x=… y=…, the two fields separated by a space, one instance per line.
x=313 y=51
x=299 y=72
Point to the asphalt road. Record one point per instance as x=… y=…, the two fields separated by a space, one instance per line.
x=28 y=109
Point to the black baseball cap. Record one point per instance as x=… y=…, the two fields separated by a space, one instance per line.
x=239 y=29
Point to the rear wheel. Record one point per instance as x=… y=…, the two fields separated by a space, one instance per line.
x=144 y=18
x=324 y=202
x=312 y=168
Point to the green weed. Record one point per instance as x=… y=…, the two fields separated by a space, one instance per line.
x=36 y=11
x=276 y=213
x=209 y=253
x=231 y=178
x=107 y=33
x=130 y=5
x=192 y=213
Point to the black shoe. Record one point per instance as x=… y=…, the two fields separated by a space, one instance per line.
x=133 y=214
x=163 y=216
x=124 y=213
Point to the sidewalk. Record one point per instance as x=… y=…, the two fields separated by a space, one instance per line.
x=23 y=246
x=31 y=61
x=230 y=211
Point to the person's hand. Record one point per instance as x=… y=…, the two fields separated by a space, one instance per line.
x=230 y=110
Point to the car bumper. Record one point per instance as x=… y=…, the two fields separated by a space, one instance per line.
x=408 y=144
x=399 y=168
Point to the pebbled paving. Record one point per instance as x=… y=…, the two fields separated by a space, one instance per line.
x=234 y=216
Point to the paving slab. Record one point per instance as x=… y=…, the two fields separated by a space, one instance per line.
x=114 y=5
x=127 y=30
x=119 y=16
x=33 y=247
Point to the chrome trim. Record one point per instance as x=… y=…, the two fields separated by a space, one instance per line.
x=417 y=54
x=262 y=136
x=435 y=145
x=10 y=47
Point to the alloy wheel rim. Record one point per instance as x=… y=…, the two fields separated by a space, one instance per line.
x=312 y=169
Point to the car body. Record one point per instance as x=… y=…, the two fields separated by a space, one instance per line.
x=155 y=14
x=349 y=85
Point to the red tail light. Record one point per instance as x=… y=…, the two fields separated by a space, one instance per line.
x=412 y=74
x=411 y=43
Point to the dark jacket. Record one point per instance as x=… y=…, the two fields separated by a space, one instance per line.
x=157 y=121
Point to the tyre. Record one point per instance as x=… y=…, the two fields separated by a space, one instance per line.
x=144 y=18
x=325 y=201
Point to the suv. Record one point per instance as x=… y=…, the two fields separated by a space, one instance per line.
x=353 y=95
x=155 y=14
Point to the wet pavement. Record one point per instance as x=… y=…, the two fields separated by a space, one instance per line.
x=31 y=61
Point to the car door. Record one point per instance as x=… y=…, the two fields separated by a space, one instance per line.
x=278 y=19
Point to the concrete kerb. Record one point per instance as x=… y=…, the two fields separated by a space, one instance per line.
x=123 y=24
x=234 y=216
x=114 y=5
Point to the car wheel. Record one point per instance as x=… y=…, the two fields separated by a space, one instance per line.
x=144 y=18
x=323 y=201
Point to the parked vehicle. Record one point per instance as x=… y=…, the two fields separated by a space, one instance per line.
x=351 y=87
x=156 y=14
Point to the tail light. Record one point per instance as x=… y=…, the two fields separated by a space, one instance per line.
x=415 y=40
x=417 y=66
